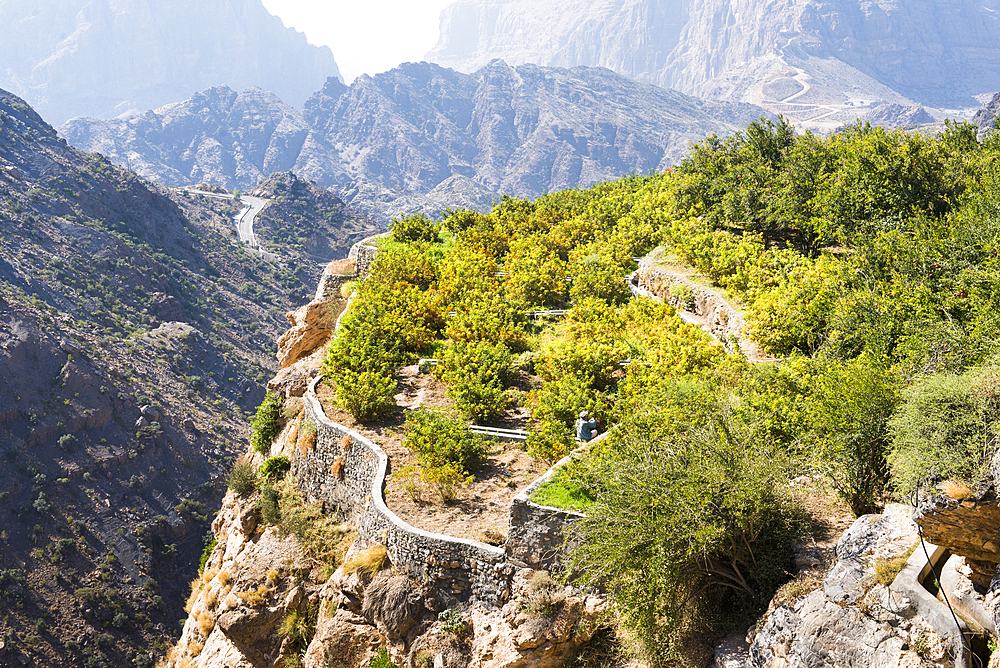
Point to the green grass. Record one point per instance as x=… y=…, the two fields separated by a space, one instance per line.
x=563 y=493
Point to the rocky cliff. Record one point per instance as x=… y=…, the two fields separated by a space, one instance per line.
x=421 y=136
x=806 y=58
x=82 y=58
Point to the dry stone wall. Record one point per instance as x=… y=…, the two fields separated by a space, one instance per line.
x=536 y=537
x=363 y=253
x=348 y=471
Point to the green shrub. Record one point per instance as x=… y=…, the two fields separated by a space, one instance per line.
x=451 y=621
x=476 y=374
x=441 y=438
x=275 y=467
x=416 y=227
x=242 y=478
x=206 y=554
x=367 y=395
x=68 y=442
x=381 y=660
x=947 y=428
x=672 y=562
x=264 y=427
x=550 y=441
x=195 y=509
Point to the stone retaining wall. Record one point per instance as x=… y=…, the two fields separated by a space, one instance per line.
x=712 y=310
x=348 y=471
x=363 y=253
x=536 y=537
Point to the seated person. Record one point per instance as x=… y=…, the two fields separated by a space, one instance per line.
x=586 y=427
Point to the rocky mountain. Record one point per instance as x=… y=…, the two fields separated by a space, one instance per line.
x=85 y=58
x=215 y=136
x=136 y=336
x=898 y=116
x=986 y=117
x=421 y=136
x=805 y=58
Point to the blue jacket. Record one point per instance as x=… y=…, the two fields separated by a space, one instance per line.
x=585 y=429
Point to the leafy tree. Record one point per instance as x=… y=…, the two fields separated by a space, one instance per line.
x=597 y=276
x=947 y=428
x=476 y=374
x=441 y=438
x=686 y=523
x=416 y=227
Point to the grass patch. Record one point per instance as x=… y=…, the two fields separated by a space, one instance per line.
x=321 y=536
x=886 y=570
x=565 y=490
x=370 y=560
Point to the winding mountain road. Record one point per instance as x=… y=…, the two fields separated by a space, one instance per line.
x=244 y=220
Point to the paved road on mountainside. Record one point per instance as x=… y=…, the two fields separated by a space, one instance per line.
x=244 y=221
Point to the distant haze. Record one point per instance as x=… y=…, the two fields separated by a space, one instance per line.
x=369 y=36
x=104 y=58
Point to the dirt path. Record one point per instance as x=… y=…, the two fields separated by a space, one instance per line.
x=712 y=311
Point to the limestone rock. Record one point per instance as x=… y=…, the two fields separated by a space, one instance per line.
x=818 y=633
x=65 y=50
x=292 y=381
x=850 y=622
x=928 y=52
x=312 y=324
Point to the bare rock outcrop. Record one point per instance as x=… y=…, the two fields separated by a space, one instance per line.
x=312 y=325
x=852 y=620
x=898 y=116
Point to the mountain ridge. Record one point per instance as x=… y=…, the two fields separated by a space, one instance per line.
x=420 y=136
x=840 y=54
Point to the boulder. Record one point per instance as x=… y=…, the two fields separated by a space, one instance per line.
x=292 y=381
x=312 y=325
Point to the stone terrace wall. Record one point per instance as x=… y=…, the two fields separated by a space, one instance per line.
x=348 y=471
x=536 y=537
x=363 y=253
x=720 y=319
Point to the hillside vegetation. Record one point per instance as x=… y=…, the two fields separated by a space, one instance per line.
x=866 y=263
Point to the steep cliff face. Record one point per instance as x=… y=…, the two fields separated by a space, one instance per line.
x=83 y=58
x=936 y=53
x=421 y=136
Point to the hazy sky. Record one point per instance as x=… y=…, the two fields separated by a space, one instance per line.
x=367 y=36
